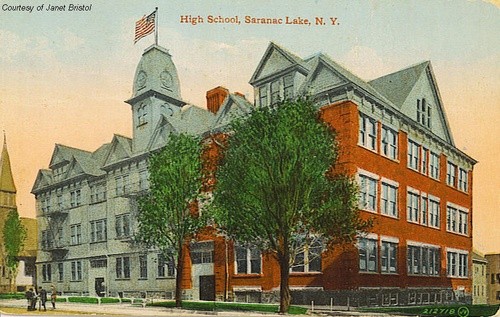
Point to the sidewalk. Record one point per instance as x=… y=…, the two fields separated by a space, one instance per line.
x=126 y=309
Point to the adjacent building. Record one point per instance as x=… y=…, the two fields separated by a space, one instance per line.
x=394 y=138
x=493 y=272
x=479 y=278
x=26 y=269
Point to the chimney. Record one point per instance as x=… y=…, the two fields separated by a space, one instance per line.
x=215 y=98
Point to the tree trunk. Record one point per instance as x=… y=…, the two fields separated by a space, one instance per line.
x=178 y=277
x=284 y=262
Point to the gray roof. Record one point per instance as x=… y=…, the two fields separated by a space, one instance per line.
x=398 y=85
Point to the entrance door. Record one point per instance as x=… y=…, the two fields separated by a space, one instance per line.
x=207 y=287
x=99 y=286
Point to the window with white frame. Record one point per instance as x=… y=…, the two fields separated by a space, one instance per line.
x=98 y=230
x=451 y=174
x=143 y=180
x=76 y=234
x=457 y=219
x=122 y=184
x=60 y=271
x=75 y=198
x=457 y=263
x=275 y=92
x=247 y=260
x=165 y=266
x=412 y=200
x=389 y=143
x=368 y=257
x=122 y=225
x=434 y=213
x=434 y=165
x=367 y=132
x=46 y=272
x=142 y=115
x=424 y=210
x=123 y=267
x=263 y=95
x=388 y=256
x=413 y=154
x=202 y=252
x=76 y=270
x=389 y=199
x=424 y=162
x=423 y=260
x=367 y=192
x=97 y=193
x=424 y=112
x=462 y=180
x=143 y=266
x=308 y=259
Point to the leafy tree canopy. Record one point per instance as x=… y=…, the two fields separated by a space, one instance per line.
x=14 y=234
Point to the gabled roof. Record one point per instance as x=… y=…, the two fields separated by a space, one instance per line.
x=64 y=153
x=233 y=106
x=397 y=86
x=288 y=60
x=119 y=149
x=6 y=178
x=43 y=178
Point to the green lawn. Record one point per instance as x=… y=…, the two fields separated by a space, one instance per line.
x=211 y=306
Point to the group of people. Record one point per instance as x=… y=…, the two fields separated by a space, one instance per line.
x=41 y=297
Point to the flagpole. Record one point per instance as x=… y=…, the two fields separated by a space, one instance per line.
x=156 y=26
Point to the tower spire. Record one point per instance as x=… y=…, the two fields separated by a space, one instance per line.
x=6 y=179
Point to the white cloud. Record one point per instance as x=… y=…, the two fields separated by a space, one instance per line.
x=11 y=45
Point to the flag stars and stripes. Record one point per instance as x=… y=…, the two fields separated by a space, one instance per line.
x=144 y=26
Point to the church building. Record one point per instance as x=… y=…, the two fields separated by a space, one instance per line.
x=394 y=139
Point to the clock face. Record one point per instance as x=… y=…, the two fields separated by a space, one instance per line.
x=166 y=79
x=141 y=79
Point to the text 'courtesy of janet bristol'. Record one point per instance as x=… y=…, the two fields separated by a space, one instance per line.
x=46 y=8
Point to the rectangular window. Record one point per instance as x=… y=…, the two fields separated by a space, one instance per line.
x=122 y=225
x=434 y=165
x=122 y=185
x=367 y=193
x=97 y=193
x=434 y=218
x=98 y=230
x=76 y=234
x=424 y=206
x=423 y=260
x=413 y=155
x=288 y=86
x=275 y=92
x=76 y=270
x=309 y=259
x=367 y=255
x=367 y=132
x=248 y=260
x=388 y=257
x=389 y=143
x=60 y=271
x=424 y=112
x=457 y=219
x=389 y=201
x=424 y=163
x=451 y=219
x=451 y=174
x=47 y=241
x=202 y=252
x=76 y=198
x=165 y=266
x=263 y=96
x=143 y=180
x=413 y=207
x=457 y=263
x=462 y=180
x=123 y=267
x=46 y=272
x=143 y=266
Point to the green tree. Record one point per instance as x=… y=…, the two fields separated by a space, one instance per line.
x=276 y=187
x=14 y=234
x=167 y=218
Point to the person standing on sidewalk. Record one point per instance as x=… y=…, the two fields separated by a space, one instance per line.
x=53 y=296
x=43 y=298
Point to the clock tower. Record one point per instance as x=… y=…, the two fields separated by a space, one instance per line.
x=156 y=93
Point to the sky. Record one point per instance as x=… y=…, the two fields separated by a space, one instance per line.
x=64 y=76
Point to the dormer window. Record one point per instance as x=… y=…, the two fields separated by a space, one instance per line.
x=288 y=87
x=263 y=96
x=280 y=89
x=275 y=92
x=424 y=112
x=142 y=115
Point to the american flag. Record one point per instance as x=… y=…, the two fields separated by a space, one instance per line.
x=144 y=26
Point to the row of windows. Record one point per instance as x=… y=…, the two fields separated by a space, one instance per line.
x=367 y=137
x=381 y=256
x=98 y=232
x=98 y=193
x=277 y=90
x=76 y=271
x=422 y=209
x=422 y=160
x=457 y=219
x=457 y=177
